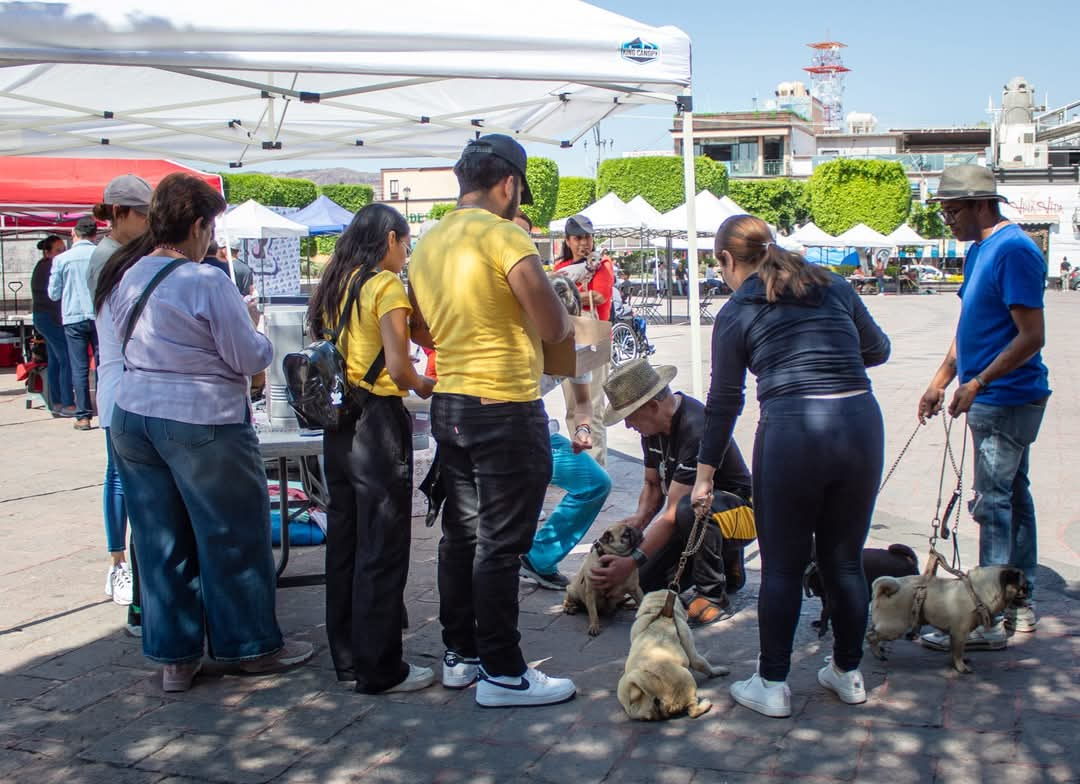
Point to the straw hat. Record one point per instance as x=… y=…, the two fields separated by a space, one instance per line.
x=632 y=386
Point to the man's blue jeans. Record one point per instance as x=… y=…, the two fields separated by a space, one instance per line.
x=58 y=373
x=1003 y=507
x=197 y=503
x=81 y=337
x=587 y=486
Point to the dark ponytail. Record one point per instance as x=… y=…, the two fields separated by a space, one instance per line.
x=361 y=247
x=47 y=243
x=750 y=242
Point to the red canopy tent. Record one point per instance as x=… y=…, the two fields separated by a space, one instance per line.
x=29 y=185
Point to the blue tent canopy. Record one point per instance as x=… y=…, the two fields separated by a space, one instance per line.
x=816 y=255
x=323 y=216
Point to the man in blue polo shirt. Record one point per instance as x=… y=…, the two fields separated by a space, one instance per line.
x=1003 y=381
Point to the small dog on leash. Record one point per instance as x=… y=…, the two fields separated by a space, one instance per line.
x=657 y=682
x=898 y=560
x=621 y=540
x=948 y=606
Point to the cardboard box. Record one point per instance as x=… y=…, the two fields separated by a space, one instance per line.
x=587 y=349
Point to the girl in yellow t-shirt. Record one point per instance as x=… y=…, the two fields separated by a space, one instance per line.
x=369 y=459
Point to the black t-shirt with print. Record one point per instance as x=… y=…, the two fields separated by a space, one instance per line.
x=675 y=455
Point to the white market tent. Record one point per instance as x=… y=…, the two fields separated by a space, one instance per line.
x=732 y=206
x=905 y=236
x=648 y=214
x=709 y=211
x=250 y=81
x=811 y=236
x=252 y=221
x=610 y=213
x=862 y=236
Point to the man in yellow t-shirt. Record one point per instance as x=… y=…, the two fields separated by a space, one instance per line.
x=479 y=289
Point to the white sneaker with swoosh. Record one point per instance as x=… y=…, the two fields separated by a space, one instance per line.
x=531 y=689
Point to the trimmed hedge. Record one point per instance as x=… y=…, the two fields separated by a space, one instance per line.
x=543 y=177
x=268 y=190
x=351 y=197
x=781 y=202
x=575 y=194
x=846 y=192
x=659 y=179
x=439 y=210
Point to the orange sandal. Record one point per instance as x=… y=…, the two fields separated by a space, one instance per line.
x=703 y=611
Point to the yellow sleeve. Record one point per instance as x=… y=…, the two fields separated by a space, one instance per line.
x=511 y=244
x=388 y=294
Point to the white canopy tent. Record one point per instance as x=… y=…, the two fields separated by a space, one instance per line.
x=610 y=213
x=252 y=221
x=905 y=236
x=811 y=236
x=709 y=213
x=250 y=81
x=862 y=236
x=732 y=206
x=648 y=214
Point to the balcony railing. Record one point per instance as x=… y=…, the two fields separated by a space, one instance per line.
x=912 y=162
x=775 y=169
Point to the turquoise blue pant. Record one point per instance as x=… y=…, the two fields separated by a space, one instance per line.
x=587 y=486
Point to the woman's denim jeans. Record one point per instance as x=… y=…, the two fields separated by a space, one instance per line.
x=199 y=509
x=58 y=373
x=113 y=497
x=1003 y=507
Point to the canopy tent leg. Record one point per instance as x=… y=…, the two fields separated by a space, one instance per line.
x=693 y=301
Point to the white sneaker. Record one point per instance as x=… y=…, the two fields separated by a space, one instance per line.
x=993 y=639
x=532 y=688
x=459 y=672
x=109 y=579
x=847 y=685
x=123 y=586
x=1021 y=619
x=417 y=679
x=769 y=698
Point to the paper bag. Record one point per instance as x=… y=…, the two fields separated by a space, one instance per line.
x=587 y=349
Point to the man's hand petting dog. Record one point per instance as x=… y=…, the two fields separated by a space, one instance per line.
x=614 y=546
x=612 y=572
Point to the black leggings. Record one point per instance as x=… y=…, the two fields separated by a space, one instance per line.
x=817 y=465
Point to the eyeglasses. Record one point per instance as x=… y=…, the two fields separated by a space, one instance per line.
x=949 y=215
x=408 y=246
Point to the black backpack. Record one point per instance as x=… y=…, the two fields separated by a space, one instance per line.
x=316 y=382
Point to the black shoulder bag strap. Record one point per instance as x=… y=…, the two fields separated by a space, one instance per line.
x=379 y=362
x=140 y=306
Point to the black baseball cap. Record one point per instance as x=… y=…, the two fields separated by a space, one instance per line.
x=502 y=146
x=86 y=226
x=579 y=226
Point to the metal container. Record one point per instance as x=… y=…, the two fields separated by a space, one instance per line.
x=285 y=322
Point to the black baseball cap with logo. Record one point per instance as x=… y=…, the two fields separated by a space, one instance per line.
x=502 y=146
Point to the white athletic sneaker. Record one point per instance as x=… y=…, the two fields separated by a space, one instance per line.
x=993 y=639
x=459 y=672
x=531 y=689
x=1021 y=619
x=847 y=685
x=417 y=679
x=123 y=586
x=109 y=579
x=769 y=698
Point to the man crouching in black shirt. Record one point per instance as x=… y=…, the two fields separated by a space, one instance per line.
x=671 y=426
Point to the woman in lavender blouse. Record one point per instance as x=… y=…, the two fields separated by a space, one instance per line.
x=186 y=451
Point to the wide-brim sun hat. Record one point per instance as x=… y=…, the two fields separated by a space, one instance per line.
x=967 y=182
x=632 y=386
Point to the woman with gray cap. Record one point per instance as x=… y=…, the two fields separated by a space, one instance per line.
x=125 y=203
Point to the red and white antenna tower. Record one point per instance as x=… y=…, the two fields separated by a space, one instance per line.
x=827 y=71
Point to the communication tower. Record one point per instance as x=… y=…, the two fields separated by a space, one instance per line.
x=827 y=71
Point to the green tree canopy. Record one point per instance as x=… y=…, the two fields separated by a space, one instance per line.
x=268 y=190
x=926 y=220
x=658 y=179
x=575 y=194
x=845 y=192
x=543 y=177
x=439 y=210
x=351 y=197
x=781 y=202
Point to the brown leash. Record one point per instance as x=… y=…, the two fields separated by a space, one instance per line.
x=693 y=544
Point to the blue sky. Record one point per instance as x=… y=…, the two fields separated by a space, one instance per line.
x=914 y=64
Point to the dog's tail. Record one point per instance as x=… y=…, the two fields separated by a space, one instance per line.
x=906 y=552
x=884 y=586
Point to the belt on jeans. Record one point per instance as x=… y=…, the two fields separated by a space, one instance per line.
x=835 y=395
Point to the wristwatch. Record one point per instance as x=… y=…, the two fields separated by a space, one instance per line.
x=639 y=557
x=979 y=380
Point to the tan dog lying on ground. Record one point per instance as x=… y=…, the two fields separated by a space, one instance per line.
x=657 y=683
x=619 y=539
x=948 y=605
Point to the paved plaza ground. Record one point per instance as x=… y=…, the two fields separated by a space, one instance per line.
x=79 y=703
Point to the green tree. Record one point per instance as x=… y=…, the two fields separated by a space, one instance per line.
x=658 y=179
x=543 y=177
x=926 y=220
x=439 y=210
x=351 y=197
x=781 y=202
x=845 y=192
x=575 y=194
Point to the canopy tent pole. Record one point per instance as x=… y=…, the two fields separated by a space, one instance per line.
x=696 y=371
x=228 y=255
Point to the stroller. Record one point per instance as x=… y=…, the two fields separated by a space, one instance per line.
x=628 y=338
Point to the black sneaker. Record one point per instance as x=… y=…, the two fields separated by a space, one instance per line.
x=553 y=581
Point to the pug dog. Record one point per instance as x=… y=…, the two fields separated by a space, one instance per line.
x=898 y=560
x=657 y=682
x=621 y=540
x=948 y=606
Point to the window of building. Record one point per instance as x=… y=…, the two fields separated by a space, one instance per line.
x=393 y=189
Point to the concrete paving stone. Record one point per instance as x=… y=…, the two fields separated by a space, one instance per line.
x=315 y=722
x=219 y=758
x=1047 y=739
x=225 y=720
x=21 y=721
x=343 y=759
x=88 y=688
x=15 y=688
x=508 y=760
x=13 y=759
x=981 y=703
x=966 y=771
x=684 y=743
x=581 y=756
x=834 y=748
x=287 y=689
x=129 y=744
x=47 y=771
x=875 y=766
x=81 y=660
x=81 y=728
x=640 y=772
